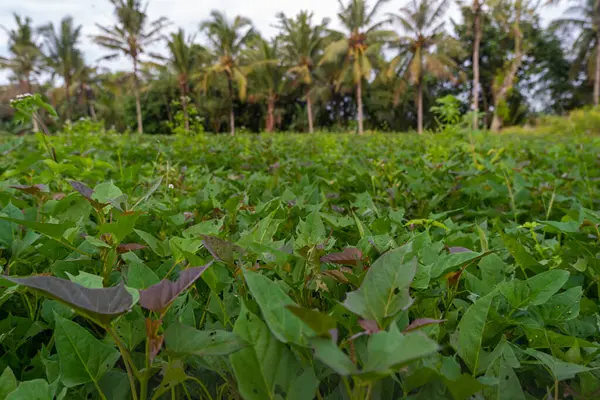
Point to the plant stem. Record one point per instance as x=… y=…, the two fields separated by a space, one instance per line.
x=126 y=359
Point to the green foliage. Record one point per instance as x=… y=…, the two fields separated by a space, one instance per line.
x=209 y=267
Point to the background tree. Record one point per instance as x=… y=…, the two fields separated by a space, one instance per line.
x=265 y=68
x=477 y=8
x=185 y=60
x=428 y=46
x=302 y=47
x=131 y=36
x=62 y=54
x=25 y=60
x=228 y=40
x=585 y=20
x=357 y=48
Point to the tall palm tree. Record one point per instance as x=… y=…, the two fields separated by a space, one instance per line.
x=264 y=65
x=228 y=39
x=185 y=60
x=62 y=55
x=477 y=9
x=428 y=46
x=131 y=36
x=358 y=47
x=302 y=46
x=585 y=19
x=25 y=60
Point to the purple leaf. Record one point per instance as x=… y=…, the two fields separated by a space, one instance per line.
x=33 y=190
x=103 y=304
x=159 y=296
x=127 y=247
x=421 y=322
x=350 y=256
x=457 y=249
x=369 y=325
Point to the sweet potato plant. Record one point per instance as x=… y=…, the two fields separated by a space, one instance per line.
x=300 y=267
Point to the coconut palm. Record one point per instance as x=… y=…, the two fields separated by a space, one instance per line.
x=185 y=61
x=424 y=48
x=302 y=45
x=25 y=60
x=62 y=55
x=228 y=39
x=585 y=19
x=131 y=36
x=264 y=66
x=358 y=47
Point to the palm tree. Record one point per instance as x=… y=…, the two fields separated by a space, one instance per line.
x=185 y=60
x=359 y=46
x=302 y=46
x=427 y=44
x=25 y=60
x=265 y=67
x=62 y=55
x=585 y=19
x=131 y=36
x=477 y=33
x=228 y=39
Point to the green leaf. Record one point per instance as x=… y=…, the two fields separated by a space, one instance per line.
x=8 y=230
x=82 y=357
x=103 y=305
x=115 y=385
x=86 y=280
x=388 y=351
x=470 y=331
x=272 y=301
x=536 y=290
x=560 y=370
x=105 y=192
x=561 y=307
x=160 y=248
x=37 y=389
x=122 y=226
x=139 y=276
x=521 y=256
x=320 y=323
x=331 y=355
x=210 y=227
x=54 y=231
x=267 y=369
x=8 y=383
x=385 y=290
x=455 y=261
x=183 y=340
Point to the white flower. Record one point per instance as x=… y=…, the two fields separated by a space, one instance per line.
x=171 y=186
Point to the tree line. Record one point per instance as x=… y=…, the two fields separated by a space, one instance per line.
x=381 y=71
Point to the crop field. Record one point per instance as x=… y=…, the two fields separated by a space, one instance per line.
x=300 y=267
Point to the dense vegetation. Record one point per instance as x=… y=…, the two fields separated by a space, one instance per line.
x=325 y=266
x=381 y=72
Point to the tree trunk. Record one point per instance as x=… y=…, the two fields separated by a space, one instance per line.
x=231 y=112
x=270 y=113
x=419 y=108
x=501 y=93
x=34 y=121
x=597 y=78
x=476 y=44
x=184 y=104
x=68 y=97
x=136 y=89
x=309 y=112
x=359 y=104
x=92 y=111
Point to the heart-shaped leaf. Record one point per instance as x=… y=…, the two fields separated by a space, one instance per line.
x=185 y=340
x=350 y=256
x=158 y=297
x=87 y=192
x=102 y=305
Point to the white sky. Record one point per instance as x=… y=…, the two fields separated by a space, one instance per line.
x=182 y=13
